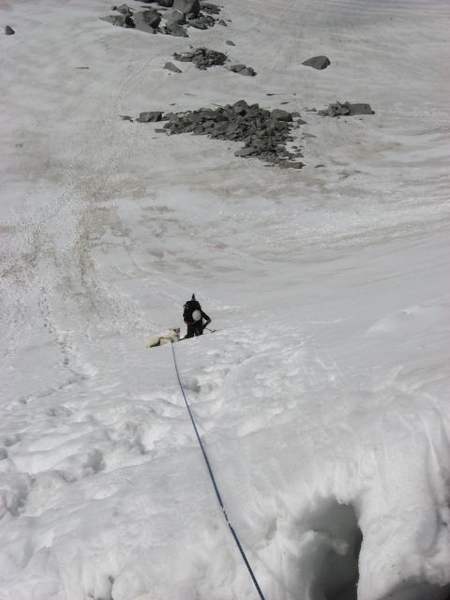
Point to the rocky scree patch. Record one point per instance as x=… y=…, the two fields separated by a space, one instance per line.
x=203 y=58
x=264 y=132
x=174 y=18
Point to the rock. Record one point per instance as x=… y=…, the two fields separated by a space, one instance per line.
x=361 y=109
x=166 y=3
x=236 y=68
x=197 y=24
x=240 y=107
x=229 y=43
x=174 y=29
x=317 y=62
x=147 y=20
x=9 y=30
x=248 y=71
x=245 y=152
x=339 y=109
x=200 y=21
x=171 y=67
x=281 y=115
x=175 y=17
x=202 y=58
x=242 y=70
x=117 y=20
x=292 y=165
x=211 y=9
x=149 y=117
x=187 y=6
x=124 y=10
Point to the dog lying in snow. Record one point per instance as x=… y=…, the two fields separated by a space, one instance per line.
x=172 y=336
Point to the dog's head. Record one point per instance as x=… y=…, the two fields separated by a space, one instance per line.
x=175 y=333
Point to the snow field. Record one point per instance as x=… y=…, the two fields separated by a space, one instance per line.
x=322 y=397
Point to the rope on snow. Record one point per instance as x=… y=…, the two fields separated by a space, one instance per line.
x=211 y=475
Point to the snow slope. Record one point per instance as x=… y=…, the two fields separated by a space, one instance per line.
x=322 y=399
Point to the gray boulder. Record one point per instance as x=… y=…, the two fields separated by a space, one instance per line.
x=200 y=21
x=187 y=6
x=174 y=29
x=9 y=30
x=361 y=109
x=119 y=20
x=166 y=3
x=281 y=115
x=317 y=62
x=211 y=9
x=171 y=67
x=248 y=72
x=123 y=9
x=174 y=16
x=244 y=152
x=342 y=109
x=242 y=70
x=147 y=21
x=150 y=117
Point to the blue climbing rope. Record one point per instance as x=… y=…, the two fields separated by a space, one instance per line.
x=211 y=474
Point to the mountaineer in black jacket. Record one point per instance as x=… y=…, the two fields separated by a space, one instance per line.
x=194 y=317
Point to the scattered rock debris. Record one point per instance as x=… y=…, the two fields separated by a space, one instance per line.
x=202 y=58
x=242 y=70
x=174 y=18
x=264 y=132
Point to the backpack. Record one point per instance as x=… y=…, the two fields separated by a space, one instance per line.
x=192 y=311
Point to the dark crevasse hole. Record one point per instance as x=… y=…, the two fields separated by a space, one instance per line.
x=338 y=543
x=410 y=590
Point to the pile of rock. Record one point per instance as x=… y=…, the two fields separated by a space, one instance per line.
x=242 y=70
x=202 y=58
x=341 y=109
x=264 y=132
x=176 y=17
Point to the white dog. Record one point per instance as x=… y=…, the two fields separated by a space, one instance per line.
x=172 y=336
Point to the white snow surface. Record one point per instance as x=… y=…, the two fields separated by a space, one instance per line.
x=322 y=399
